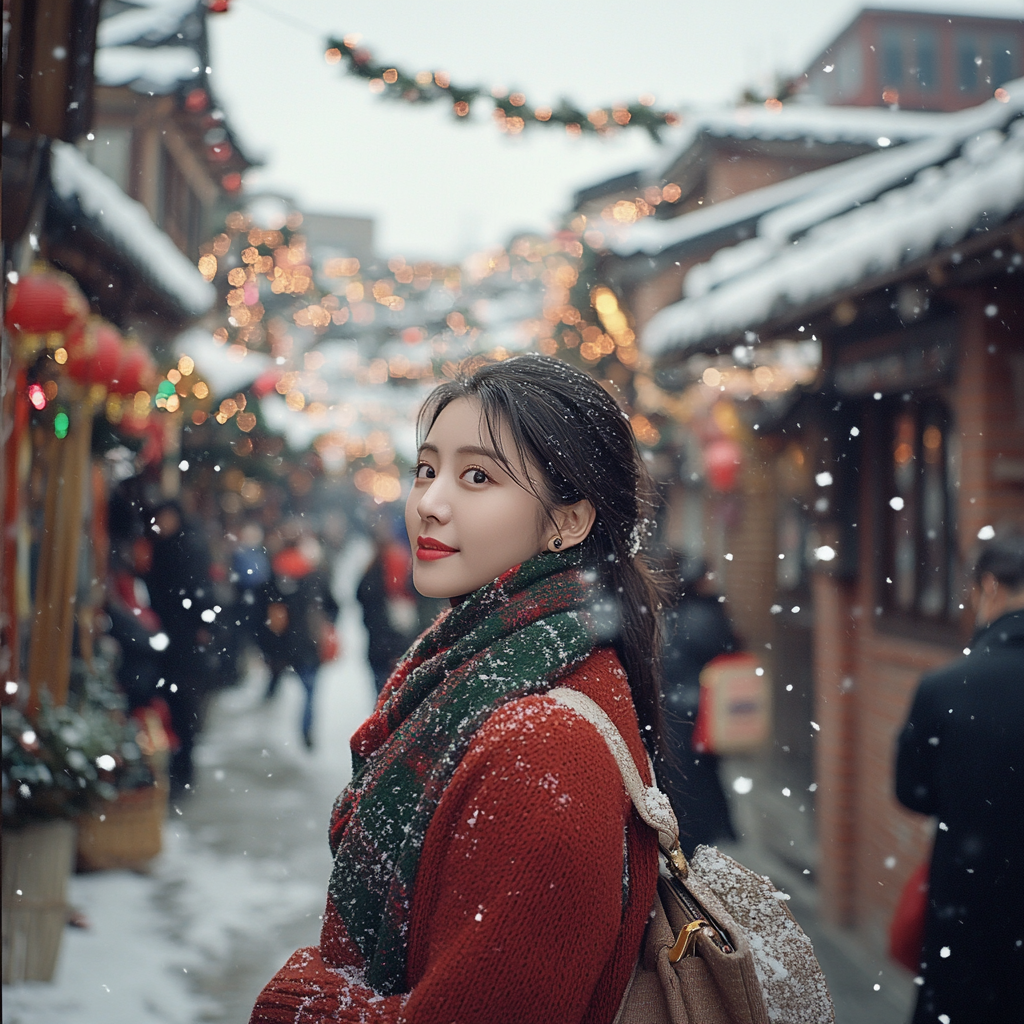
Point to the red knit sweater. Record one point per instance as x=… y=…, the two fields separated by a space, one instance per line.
x=518 y=913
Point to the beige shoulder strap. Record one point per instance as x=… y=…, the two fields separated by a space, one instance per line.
x=650 y=802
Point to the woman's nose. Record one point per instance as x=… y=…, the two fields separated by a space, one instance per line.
x=433 y=503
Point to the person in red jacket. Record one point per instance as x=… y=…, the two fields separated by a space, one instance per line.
x=488 y=865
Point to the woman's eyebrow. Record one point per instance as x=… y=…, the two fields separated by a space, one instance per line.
x=428 y=447
x=475 y=449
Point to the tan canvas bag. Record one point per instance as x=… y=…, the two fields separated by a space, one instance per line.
x=721 y=946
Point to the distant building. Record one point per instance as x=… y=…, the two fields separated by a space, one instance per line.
x=331 y=234
x=920 y=60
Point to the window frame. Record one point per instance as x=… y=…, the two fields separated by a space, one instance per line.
x=927 y=410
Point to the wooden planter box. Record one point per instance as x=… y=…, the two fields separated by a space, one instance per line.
x=36 y=865
x=124 y=833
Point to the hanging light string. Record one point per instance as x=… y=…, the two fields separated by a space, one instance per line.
x=511 y=113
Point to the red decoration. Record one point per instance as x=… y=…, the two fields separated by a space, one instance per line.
x=197 y=101
x=722 y=461
x=75 y=340
x=220 y=152
x=266 y=382
x=41 y=303
x=218 y=6
x=96 y=361
x=231 y=182
x=135 y=371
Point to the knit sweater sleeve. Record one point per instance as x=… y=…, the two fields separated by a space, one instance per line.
x=519 y=898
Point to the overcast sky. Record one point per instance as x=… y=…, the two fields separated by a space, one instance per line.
x=440 y=189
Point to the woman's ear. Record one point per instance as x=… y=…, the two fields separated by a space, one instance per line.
x=573 y=524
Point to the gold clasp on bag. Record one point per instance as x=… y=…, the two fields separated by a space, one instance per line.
x=685 y=943
x=677 y=862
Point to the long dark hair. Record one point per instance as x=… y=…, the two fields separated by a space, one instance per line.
x=566 y=425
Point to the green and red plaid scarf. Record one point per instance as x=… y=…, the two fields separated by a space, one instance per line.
x=515 y=636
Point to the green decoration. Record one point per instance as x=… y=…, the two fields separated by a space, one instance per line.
x=511 y=110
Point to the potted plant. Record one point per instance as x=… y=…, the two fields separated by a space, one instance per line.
x=58 y=764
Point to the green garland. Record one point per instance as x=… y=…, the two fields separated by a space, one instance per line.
x=511 y=110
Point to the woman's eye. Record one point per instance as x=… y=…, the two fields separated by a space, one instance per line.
x=475 y=476
x=424 y=471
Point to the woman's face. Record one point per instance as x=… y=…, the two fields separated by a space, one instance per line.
x=468 y=520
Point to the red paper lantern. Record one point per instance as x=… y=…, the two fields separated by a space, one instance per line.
x=722 y=461
x=41 y=303
x=97 y=360
x=75 y=341
x=135 y=371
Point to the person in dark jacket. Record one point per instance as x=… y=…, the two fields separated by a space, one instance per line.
x=695 y=630
x=181 y=594
x=960 y=758
x=385 y=594
x=299 y=608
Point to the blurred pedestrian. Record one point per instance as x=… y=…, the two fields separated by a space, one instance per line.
x=133 y=624
x=695 y=629
x=389 y=606
x=300 y=613
x=250 y=572
x=181 y=593
x=961 y=758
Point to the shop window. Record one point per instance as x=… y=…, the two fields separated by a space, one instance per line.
x=918 y=568
x=967 y=63
x=892 y=60
x=927 y=61
x=1004 y=61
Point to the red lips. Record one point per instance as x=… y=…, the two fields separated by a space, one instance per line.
x=429 y=550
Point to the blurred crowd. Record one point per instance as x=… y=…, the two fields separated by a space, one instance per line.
x=186 y=602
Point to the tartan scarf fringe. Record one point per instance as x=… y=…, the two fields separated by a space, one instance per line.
x=515 y=636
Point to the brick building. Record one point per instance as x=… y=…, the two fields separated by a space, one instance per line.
x=873 y=482
x=856 y=338
x=917 y=59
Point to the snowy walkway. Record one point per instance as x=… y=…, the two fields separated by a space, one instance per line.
x=243 y=877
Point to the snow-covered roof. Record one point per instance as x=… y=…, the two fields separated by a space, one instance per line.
x=147 y=69
x=127 y=225
x=900 y=205
x=152 y=46
x=152 y=21
x=806 y=120
x=878 y=128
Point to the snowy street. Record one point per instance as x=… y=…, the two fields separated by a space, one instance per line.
x=242 y=880
x=243 y=876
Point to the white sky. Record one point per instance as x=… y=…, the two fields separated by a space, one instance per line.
x=439 y=189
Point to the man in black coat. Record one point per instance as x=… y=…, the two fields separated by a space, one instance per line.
x=961 y=758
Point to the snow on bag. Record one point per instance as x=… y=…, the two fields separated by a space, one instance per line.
x=721 y=946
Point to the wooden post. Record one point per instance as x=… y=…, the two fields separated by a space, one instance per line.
x=53 y=617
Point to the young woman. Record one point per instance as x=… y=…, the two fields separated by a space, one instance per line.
x=487 y=863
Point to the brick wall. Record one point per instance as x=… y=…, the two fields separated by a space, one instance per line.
x=869 y=843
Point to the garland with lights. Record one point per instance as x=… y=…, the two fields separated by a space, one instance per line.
x=511 y=111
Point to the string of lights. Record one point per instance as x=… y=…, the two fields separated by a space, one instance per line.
x=511 y=111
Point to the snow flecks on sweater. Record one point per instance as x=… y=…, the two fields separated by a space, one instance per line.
x=518 y=868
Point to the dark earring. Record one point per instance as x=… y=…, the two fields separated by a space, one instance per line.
x=556 y=543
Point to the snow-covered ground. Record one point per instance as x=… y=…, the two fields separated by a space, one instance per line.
x=242 y=879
